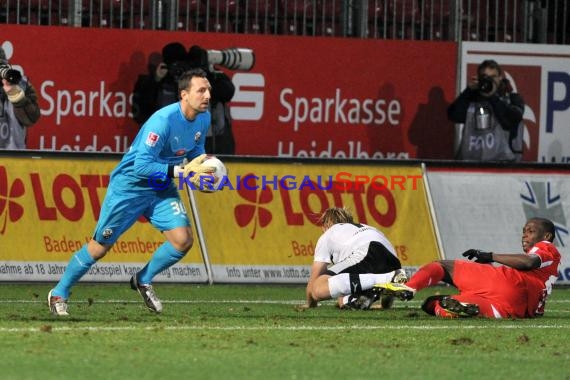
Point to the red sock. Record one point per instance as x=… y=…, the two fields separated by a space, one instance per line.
x=428 y=275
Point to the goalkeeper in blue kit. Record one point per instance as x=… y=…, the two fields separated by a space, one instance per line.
x=141 y=185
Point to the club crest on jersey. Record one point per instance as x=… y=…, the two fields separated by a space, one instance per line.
x=107 y=233
x=152 y=138
x=197 y=136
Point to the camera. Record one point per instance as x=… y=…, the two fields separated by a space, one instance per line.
x=177 y=68
x=232 y=58
x=11 y=75
x=486 y=84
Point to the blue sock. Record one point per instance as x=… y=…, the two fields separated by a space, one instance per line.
x=79 y=264
x=164 y=257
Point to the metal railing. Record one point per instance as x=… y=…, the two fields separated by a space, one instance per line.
x=538 y=21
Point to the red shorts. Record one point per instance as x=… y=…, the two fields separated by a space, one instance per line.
x=498 y=293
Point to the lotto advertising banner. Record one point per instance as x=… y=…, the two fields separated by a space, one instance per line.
x=304 y=97
x=262 y=227
x=49 y=208
x=541 y=74
x=487 y=209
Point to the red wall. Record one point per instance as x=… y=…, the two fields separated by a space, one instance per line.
x=305 y=96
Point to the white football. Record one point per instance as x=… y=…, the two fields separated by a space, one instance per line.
x=220 y=173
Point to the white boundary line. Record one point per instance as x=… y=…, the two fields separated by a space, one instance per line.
x=198 y=301
x=49 y=328
x=80 y=301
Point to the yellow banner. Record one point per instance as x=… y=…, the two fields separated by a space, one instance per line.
x=262 y=227
x=49 y=208
x=267 y=213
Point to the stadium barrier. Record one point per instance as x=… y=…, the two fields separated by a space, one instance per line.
x=444 y=20
x=255 y=230
x=261 y=228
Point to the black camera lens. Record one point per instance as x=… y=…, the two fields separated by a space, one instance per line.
x=11 y=75
x=486 y=84
x=176 y=69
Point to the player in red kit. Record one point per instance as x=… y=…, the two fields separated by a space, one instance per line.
x=516 y=289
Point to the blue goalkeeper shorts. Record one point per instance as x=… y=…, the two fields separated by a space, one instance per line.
x=120 y=210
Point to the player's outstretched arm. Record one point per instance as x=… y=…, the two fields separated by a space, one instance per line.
x=514 y=260
x=517 y=260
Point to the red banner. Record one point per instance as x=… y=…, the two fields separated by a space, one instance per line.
x=305 y=96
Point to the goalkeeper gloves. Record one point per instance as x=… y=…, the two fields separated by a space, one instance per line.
x=478 y=256
x=197 y=171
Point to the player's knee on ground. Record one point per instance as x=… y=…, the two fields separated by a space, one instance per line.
x=320 y=288
x=340 y=285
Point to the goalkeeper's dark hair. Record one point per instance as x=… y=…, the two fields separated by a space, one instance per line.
x=547 y=226
x=186 y=78
x=335 y=215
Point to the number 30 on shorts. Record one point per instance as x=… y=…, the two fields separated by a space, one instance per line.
x=178 y=208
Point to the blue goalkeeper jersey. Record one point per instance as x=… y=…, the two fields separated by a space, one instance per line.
x=165 y=139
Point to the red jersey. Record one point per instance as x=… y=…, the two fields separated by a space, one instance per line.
x=509 y=292
x=536 y=284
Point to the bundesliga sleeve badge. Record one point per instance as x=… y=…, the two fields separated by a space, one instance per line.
x=152 y=139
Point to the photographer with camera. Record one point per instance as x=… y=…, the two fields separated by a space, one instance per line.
x=220 y=138
x=155 y=90
x=491 y=114
x=159 y=87
x=19 y=107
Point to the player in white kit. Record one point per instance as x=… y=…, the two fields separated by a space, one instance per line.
x=350 y=258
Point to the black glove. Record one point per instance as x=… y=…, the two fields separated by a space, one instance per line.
x=478 y=256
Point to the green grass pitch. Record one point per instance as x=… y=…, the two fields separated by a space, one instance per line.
x=254 y=332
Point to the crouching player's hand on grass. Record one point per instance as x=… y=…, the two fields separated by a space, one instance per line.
x=305 y=306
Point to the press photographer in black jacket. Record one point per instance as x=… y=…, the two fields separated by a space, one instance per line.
x=491 y=114
x=159 y=88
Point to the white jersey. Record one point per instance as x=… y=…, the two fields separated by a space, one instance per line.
x=343 y=240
